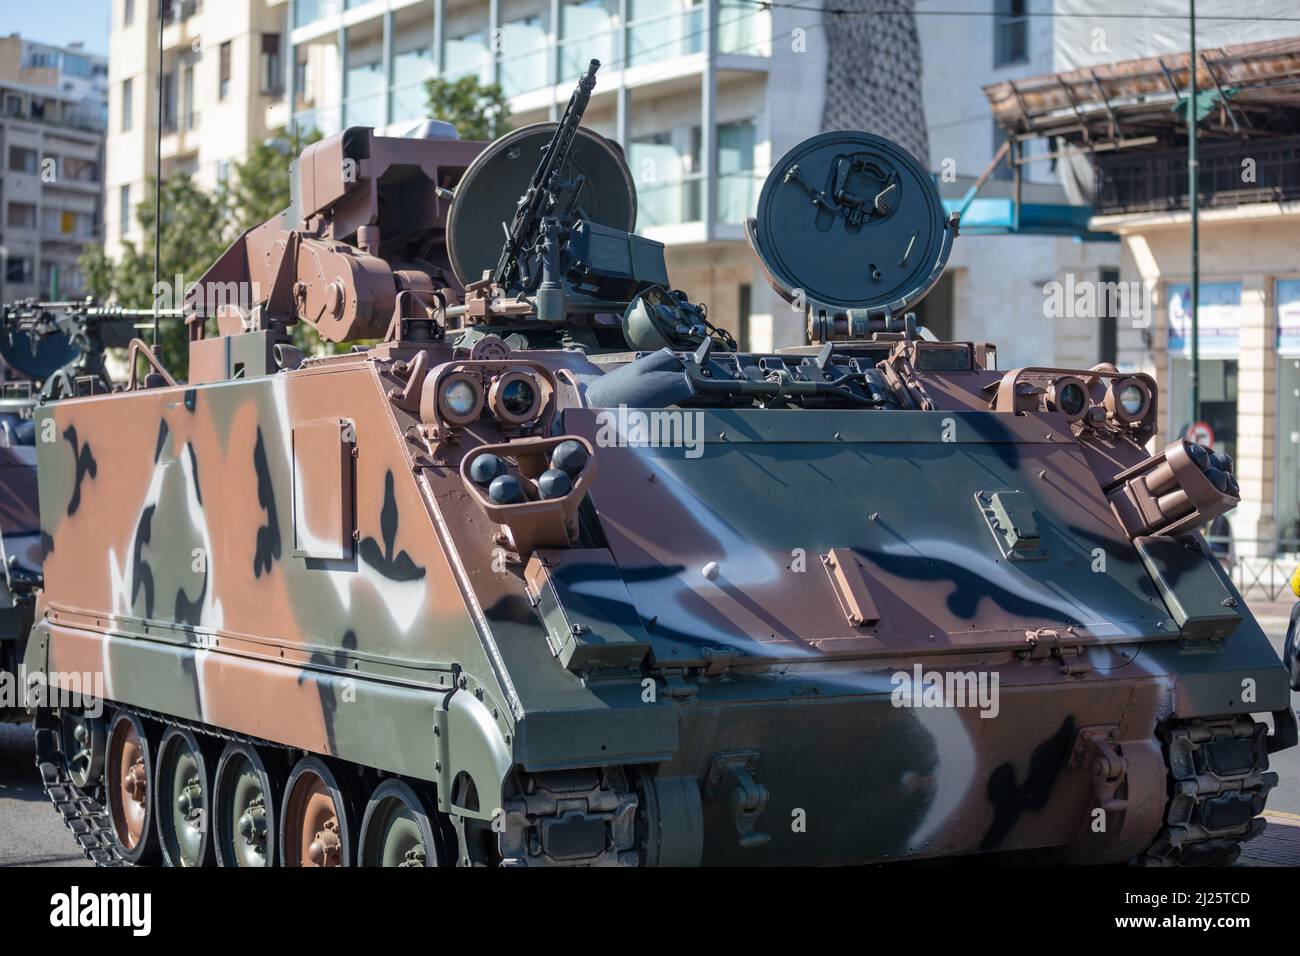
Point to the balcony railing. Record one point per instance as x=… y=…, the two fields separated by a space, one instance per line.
x=680 y=200
x=1229 y=174
x=1258 y=568
x=173 y=11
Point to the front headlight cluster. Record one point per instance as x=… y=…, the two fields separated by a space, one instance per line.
x=458 y=396
x=1125 y=401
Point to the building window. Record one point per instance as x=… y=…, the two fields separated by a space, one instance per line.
x=21 y=216
x=128 y=13
x=22 y=160
x=80 y=170
x=124 y=210
x=127 y=106
x=272 y=72
x=169 y=102
x=1108 y=334
x=223 y=75
x=736 y=181
x=523 y=55
x=188 y=115
x=1003 y=168
x=1010 y=32
x=18 y=270
x=13 y=105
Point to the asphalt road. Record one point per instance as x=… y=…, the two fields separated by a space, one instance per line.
x=31 y=833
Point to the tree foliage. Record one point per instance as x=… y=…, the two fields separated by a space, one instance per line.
x=477 y=110
x=197 y=226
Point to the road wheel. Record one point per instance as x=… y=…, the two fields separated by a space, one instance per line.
x=128 y=783
x=81 y=739
x=401 y=828
x=319 y=819
x=245 y=796
x=182 y=800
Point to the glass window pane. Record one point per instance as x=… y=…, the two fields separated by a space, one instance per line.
x=586 y=34
x=523 y=55
x=656 y=33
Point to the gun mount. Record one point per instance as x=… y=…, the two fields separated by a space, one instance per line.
x=399 y=239
x=56 y=349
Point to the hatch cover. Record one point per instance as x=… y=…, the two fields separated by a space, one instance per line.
x=850 y=221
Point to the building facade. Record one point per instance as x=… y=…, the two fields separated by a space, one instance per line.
x=53 y=104
x=705 y=95
x=222 y=93
x=1124 y=107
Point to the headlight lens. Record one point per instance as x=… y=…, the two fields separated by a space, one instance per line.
x=460 y=397
x=1131 y=399
x=517 y=397
x=1072 y=399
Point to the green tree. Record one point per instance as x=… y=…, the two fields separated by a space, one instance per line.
x=477 y=110
x=259 y=188
x=198 y=225
x=258 y=191
x=196 y=228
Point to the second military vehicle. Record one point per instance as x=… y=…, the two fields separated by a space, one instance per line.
x=48 y=350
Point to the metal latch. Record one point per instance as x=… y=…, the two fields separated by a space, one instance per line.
x=1096 y=749
x=676 y=685
x=734 y=772
x=1046 y=643
x=718 y=660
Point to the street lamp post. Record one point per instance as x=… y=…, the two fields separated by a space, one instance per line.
x=1193 y=202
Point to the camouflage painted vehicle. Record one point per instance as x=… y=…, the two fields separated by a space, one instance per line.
x=553 y=574
x=47 y=351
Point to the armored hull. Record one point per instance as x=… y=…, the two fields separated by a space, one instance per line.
x=274 y=558
x=527 y=585
x=20 y=549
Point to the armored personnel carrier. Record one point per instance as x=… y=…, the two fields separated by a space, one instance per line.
x=48 y=350
x=551 y=572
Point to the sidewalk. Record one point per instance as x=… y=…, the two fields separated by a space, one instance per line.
x=1273 y=616
x=1278 y=845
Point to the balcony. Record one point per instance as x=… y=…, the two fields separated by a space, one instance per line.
x=174 y=11
x=309 y=11
x=1143 y=181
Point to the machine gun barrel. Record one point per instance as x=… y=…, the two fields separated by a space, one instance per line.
x=542 y=190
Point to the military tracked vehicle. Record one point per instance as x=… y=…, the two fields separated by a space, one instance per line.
x=548 y=571
x=48 y=350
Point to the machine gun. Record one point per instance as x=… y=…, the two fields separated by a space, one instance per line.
x=57 y=348
x=548 y=198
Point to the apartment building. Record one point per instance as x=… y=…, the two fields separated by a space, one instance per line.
x=705 y=95
x=53 y=105
x=223 y=75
